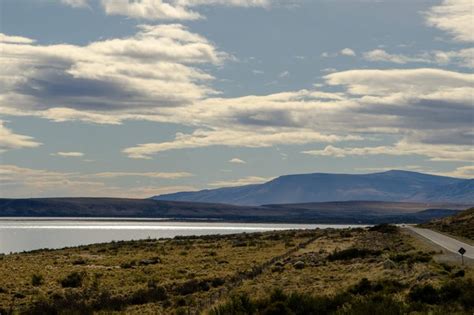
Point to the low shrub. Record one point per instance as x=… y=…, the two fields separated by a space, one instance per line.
x=412 y=258
x=37 y=280
x=73 y=280
x=384 y=228
x=351 y=253
x=424 y=294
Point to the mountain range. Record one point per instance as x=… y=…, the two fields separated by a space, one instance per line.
x=392 y=185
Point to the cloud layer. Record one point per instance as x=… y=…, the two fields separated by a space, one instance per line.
x=152 y=69
x=10 y=140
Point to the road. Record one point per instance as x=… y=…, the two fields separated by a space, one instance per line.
x=449 y=243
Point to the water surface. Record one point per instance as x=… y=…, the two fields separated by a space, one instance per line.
x=24 y=234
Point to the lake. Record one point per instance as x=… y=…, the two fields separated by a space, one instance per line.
x=24 y=234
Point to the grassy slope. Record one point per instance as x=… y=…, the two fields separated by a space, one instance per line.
x=197 y=273
x=461 y=224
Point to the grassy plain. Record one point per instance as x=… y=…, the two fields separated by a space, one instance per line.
x=329 y=271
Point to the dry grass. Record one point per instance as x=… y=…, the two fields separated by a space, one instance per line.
x=197 y=273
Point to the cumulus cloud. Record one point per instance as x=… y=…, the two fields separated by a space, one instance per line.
x=237 y=161
x=230 y=138
x=18 y=182
x=170 y=10
x=164 y=175
x=343 y=52
x=9 y=140
x=421 y=106
x=249 y=180
x=347 y=52
x=462 y=171
x=453 y=17
x=382 y=55
x=434 y=152
x=153 y=68
x=15 y=39
x=462 y=58
x=407 y=81
x=149 y=9
x=69 y=154
x=76 y=3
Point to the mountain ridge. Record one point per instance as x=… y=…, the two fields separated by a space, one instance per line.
x=393 y=185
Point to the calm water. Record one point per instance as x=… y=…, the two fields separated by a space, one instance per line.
x=19 y=234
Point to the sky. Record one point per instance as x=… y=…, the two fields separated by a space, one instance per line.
x=134 y=98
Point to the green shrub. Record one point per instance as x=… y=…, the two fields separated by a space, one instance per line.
x=37 y=280
x=351 y=253
x=376 y=304
x=424 y=294
x=73 y=280
x=412 y=258
x=384 y=228
x=238 y=305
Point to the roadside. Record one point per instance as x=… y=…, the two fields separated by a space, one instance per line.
x=445 y=246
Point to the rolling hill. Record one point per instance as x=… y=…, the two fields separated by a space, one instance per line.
x=367 y=212
x=321 y=187
x=461 y=224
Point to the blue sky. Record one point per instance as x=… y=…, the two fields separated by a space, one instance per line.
x=137 y=98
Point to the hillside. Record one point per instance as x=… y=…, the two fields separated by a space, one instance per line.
x=321 y=187
x=329 y=212
x=380 y=270
x=461 y=224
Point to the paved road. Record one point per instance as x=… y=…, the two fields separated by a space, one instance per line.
x=444 y=241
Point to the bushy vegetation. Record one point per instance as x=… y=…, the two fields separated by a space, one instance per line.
x=461 y=224
x=73 y=280
x=331 y=271
x=352 y=253
x=365 y=297
x=412 y=257
x=384 y=228
x=36 y=280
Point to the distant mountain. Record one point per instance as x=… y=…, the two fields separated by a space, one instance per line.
x=321 y=187
x=462 y=191
x=366 y=212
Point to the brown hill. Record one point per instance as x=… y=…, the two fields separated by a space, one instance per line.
x=461 y=224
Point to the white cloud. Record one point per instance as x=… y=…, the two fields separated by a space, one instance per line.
x=76 y=3
x=343 y=52
x=421 y=106
x=9 y=140
x=249 y=180
x=284 y=74
x=463 y=57
x=237 y=161
x=152 y=69
x=170 y=10
x=454 y=17
x=406 y=81
x=69 y=154
x=434 y=152
x=149 y=9
x=18 y=182
x=462 y=171
x=231 y=138
x=382 y=55
x=15 y=39
x=347 y=52
x=163 y=175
